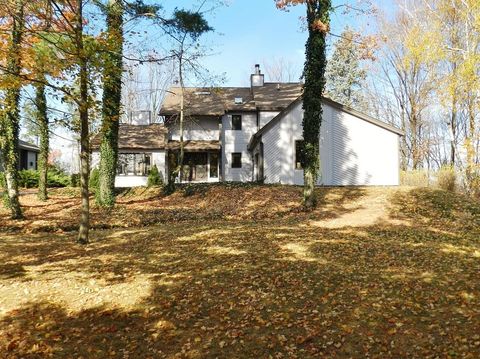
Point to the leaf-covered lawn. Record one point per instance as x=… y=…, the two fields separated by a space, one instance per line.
x=404 y=284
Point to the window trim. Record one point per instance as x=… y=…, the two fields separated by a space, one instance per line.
x=240 y=118
x=233 y=161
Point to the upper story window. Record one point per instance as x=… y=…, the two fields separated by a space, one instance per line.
x=237 y=122
x=299 y=158
x=237 y=160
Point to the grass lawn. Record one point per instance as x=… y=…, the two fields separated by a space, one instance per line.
x=373 y=272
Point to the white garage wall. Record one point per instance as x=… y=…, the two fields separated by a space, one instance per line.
x=237 y=141
x=353 y=151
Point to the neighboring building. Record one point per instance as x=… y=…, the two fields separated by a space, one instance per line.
x=27 y=156
x=255 y=134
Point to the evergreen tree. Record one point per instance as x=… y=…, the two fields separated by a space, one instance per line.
x=344 y=74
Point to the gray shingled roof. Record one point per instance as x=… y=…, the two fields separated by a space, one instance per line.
x=203 y=101
x=23 y=145
x=138 y=137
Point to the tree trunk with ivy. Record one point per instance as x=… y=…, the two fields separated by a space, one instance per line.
x=112 y=88
x=42 y=121
x=11 y=114
x=318 y=21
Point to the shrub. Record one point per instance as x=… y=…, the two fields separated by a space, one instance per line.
x=56 y=177
x=75 y=180
x=28 y=178
x=154 y=177
x=94 y=181
x=416 y=178
x=446 y=178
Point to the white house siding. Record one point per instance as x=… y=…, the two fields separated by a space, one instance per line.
x=265 y=117
x=237 y=141
x=200 y=129
x=158 y=159
x=353 y=151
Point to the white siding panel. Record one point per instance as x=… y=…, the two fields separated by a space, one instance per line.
x=265 y=117
x=279 y=149
x=352 y=150
x=130 y=181
x=362 y=153
x=200 y=129
x=237 y=141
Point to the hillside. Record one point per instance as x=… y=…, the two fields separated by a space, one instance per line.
x=338 y=207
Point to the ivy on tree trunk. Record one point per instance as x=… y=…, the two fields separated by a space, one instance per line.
x=112 y=88
x=318 y=20
x=42 y=121
x=11 y=114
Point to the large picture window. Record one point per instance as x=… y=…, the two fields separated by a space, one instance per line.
x=134 y=164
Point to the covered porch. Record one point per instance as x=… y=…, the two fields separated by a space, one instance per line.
x=201 y=161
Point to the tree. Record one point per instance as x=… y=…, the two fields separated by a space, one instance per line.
x=344 y=74
x=42 y=121
x=281 y=70
x=112 y=93
x=10 y=112
x=185 y=28
x=318 y=25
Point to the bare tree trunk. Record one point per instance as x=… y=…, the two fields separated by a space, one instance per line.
x=11 y=117
x=84 y=131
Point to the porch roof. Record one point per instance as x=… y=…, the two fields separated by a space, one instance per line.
x=137 y=137
x=195 y=146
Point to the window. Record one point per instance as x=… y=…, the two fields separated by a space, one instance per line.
x=237 y=160
x=133 y=164
x=237 y=122
x=213 y=165
x=299 y=160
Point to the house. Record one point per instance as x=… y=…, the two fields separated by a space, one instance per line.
x=255 y=134
x=27 y=156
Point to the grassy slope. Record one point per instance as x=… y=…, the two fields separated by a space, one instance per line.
x=388 y=272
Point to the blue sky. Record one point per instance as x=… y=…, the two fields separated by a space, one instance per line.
x=254 y=31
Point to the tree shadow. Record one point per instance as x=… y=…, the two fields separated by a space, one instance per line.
x=227 y=289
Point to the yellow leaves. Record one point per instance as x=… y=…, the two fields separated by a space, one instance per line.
x=422 y=46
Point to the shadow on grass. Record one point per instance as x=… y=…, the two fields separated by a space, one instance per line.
x=251 y=290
